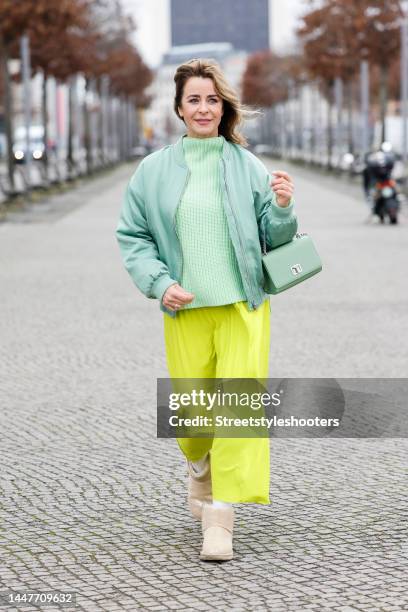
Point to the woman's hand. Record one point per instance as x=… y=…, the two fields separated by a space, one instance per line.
x=175 y=296
x=283 y=187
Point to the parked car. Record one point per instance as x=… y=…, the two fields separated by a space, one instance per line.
x=263 y=149
x=140 y=150
x=37 y=149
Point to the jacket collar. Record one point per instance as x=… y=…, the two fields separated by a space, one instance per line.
x=179 y=151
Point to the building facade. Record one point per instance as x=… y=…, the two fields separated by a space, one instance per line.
x=243 y=23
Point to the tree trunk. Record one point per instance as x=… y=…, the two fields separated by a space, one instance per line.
x=312 y=137
x=349 y=99
x=283 y=126
x=70 y=148
x=383 y=99
x=44 y=107
x=275 y=124
x=300 y=126
x=338 y=89
x=8 y=113
x=87 y=129
x=330 y=125
x=120 y=126
x=100 y=138
x=122 y=147
x=70 y=144
x=127 y=128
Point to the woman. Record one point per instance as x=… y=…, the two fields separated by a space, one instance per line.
x=189 y=233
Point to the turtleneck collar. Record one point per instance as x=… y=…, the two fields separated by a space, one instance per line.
x=179 y=154
x=215 y=143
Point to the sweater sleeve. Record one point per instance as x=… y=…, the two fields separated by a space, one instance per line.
x=137 y=246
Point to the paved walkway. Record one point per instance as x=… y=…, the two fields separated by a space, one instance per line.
x=94 y=503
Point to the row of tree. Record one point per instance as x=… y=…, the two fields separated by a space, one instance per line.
x=335 y=36
x=67 y=38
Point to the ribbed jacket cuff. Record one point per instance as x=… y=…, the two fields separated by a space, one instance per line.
x=283 y=211
x=160 y=285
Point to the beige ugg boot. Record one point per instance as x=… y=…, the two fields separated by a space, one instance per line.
x=217 y=526
x=199 y=489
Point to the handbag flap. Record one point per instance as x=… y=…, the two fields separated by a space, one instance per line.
x=292 y=262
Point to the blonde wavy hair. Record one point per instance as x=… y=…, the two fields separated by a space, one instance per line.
x=235 y=113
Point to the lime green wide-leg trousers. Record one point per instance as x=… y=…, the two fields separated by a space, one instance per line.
x=224 y=342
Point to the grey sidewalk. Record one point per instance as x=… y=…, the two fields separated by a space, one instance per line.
x=94 y=503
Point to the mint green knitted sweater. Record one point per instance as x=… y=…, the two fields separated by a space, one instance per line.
x=210 y=269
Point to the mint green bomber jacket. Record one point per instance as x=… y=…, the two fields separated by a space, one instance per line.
x=147 y=233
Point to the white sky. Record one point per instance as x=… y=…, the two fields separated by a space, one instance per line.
x=153 y=18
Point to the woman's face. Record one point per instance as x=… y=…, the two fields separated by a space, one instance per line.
x=201 y=108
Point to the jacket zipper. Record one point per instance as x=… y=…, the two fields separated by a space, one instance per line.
x=239 y=235
x=175 y=224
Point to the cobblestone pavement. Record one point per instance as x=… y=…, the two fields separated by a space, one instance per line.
x=92 y=502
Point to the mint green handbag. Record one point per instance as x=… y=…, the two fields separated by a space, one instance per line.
x=289 y=264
